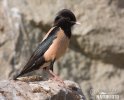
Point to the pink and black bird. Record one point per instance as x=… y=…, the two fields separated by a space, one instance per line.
x=53 y=45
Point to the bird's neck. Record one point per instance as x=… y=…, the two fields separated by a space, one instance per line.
x=67 y=31
x=65 y=26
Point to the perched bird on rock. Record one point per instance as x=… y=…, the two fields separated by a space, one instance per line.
x=53 y=45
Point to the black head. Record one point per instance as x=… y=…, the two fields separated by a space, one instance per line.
x=65 y=19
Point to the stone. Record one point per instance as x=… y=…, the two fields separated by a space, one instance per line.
x=40 y=90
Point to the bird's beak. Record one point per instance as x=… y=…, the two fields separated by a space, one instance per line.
x=78 y=23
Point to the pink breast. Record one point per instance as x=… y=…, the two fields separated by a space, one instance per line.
x=58 y=48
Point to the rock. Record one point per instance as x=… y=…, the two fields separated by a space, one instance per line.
x=95 y=57
x=39 y=90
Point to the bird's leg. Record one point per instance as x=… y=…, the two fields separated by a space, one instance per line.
x=51 y=65
x=54 y=76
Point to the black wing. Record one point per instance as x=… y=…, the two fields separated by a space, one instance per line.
x=43 y=46
x=36 y=60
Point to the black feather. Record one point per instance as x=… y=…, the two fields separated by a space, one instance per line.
x=37 y=60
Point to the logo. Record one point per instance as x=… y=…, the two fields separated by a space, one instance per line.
x=104 y=94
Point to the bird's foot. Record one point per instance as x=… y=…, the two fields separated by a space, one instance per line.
x=54 y=77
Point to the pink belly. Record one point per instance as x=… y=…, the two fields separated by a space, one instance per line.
x=57 y=49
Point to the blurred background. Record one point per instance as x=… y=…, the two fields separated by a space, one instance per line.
x=95 y=58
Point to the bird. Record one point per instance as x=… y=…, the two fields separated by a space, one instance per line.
x=53 y=45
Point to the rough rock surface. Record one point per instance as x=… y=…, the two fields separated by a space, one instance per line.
x=39 y=90
x=95 y=58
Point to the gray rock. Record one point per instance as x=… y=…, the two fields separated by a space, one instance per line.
x=39 y=90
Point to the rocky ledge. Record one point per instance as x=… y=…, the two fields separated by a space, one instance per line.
x=40 y=90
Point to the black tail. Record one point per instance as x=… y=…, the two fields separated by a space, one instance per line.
x=31 y=66
x=15 y=77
